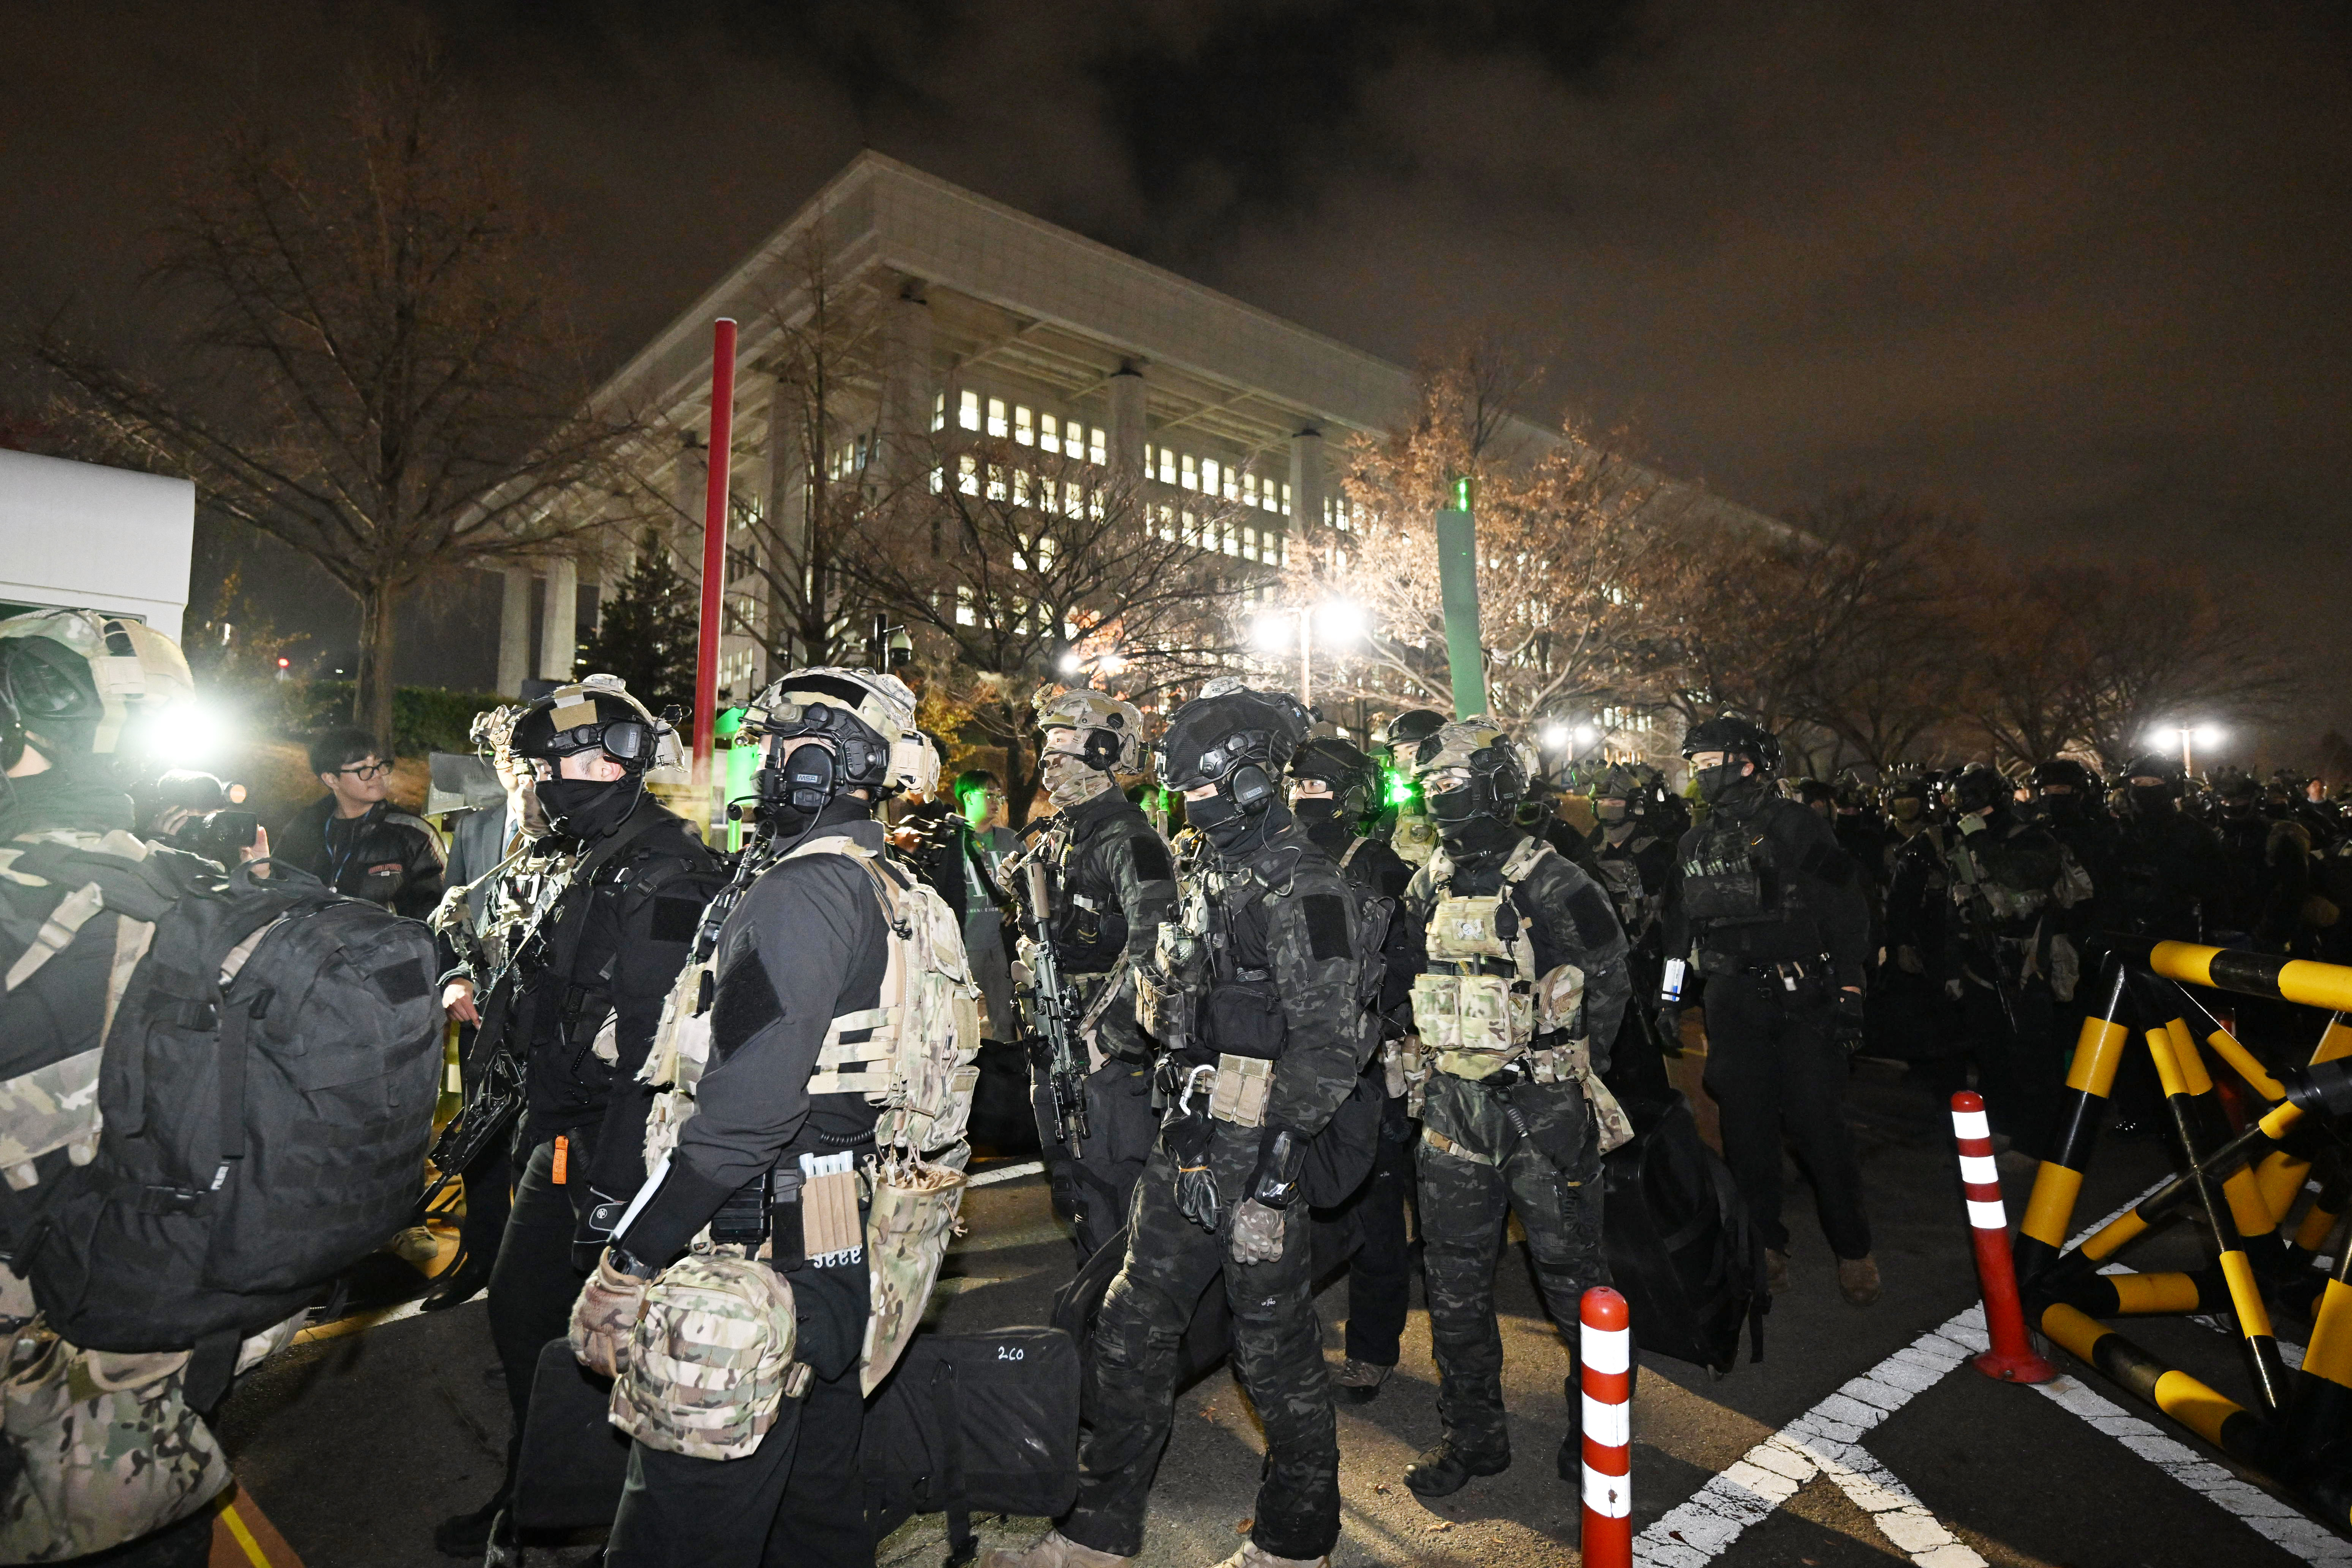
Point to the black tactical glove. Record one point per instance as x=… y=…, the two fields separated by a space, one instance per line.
x=1670 y=1029
x=588 y=1242
x=1281 y=1165
x=1189 y=1139
x=1845 y=1020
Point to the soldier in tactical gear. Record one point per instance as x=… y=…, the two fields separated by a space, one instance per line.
x=1335 y=792
x=1523 y=989
x=76 y=687
x=1253 y=993
x=1769 y=917
x=1109 y=883
x=2000 y=941
x=583 y=988
x=1633 y=859
x=1406 y=826
x=772 y=1116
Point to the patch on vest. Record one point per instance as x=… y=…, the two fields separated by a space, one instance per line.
x=1152 y=862
x=1595 y=921
x=1327 y=926
x=675 y=919
x=747 y=1004
x=403 y=982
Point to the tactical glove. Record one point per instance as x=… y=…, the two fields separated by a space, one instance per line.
x=1281 y=1163
x=1670 y=1030
x=609 y=1306
x=1189 y=1139
x=1257 y=1232
x=1845 y=1021
x=595 y=1229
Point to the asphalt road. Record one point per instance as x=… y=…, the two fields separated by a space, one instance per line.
x=353 y=1444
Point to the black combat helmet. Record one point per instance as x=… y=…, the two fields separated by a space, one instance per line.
x=1732 y=734
x=2064 y=773
x=1354 y=778
x=1400 y=736
x=1979 y=785
x=1238 y=739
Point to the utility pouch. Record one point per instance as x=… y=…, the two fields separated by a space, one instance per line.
x=913 y=1216
x=1464 y=928
x=1560 y=1000
x=1474 y=1023
x=1245 y=1019
x=1163 y=1007
x=710 y=1360
x=1244 y=1082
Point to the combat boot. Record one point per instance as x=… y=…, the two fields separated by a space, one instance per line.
x=1253 y=1555
x=1447 y=1467
x=1055 y=1550
x=1776 y=1271
x=1361 y=1381
x=1858 y=1280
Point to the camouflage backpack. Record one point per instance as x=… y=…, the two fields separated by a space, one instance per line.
x=710 y=1360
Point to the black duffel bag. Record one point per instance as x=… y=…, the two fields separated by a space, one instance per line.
x=1682 y=1250
x=984 y=1422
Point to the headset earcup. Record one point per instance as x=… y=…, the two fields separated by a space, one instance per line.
x=1101 y=750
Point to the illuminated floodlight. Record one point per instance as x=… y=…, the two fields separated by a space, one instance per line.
x=1273 y=631
x=1341 y=620
x=1072 y=663
x=1554 y=736
x=2207 y=735
x=1586 y=734
x=1111 y=664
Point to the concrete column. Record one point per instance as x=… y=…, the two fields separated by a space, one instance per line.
x=558 y=631
x=1305 y=481
x=907 y=387
x=514 y=630
x=1126 y=431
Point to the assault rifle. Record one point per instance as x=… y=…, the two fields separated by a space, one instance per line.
x=499 y=1096
x=1054 y=1014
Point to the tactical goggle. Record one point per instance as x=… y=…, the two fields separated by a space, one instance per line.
x=629 y=739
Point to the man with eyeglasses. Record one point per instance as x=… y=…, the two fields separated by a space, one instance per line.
x=353 y=838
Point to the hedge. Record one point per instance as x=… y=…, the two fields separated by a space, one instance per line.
x=423 y=718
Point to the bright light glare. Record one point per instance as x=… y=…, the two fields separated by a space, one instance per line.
x=1111 y=664
x=1072 y=663
x=1273 y=631
x=1555 y=736
x=186 y=733
x=1586 y=734
x=1342 y=621
x=2207 y=735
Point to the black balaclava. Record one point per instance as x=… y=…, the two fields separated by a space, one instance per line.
x=588 y=809
x=2151 y=800
x=1314 y=811
x=1233 y=832
x=1725 y=789
x=2062 y=807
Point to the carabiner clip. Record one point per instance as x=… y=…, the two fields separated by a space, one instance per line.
x=1191 y=1081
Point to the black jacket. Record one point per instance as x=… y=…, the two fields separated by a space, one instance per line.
x=1763 y=881
x=616 y=944
x=386 y=856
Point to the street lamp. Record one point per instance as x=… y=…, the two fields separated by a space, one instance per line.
x=1342 y=621
x=2203 y=735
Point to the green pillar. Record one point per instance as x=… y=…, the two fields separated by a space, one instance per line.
x=1457 y=577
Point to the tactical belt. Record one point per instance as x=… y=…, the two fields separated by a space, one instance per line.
x=1446 y=1145
x=1231 y=1089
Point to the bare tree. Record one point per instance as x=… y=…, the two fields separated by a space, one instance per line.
x=1024 y=568
x=364 y=366
x=1564 y=535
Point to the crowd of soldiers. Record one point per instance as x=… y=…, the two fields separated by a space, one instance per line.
x=1406 y=988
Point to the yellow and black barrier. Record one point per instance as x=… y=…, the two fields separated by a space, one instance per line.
x=2240 y=1188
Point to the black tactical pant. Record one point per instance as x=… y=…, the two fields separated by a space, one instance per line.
x=1380 y=1276
x=1487 y=1168
x=490 y=1180
x=1775 y=1070
x=1092 y=1191
x=2021 y=1069
x=533 y=1284
x=795 y=1499
x=1130 y=1398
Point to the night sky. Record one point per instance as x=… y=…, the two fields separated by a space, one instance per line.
x=2077 y=270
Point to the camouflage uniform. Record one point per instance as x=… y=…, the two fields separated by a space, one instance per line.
x=1283 y=986
x=1509 y=1143
x=1111 y=884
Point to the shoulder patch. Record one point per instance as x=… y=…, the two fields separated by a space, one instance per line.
x=745 y=1005
x=675 y=919
x=1152 y=862
x=1595 y=921
x=1327 y=926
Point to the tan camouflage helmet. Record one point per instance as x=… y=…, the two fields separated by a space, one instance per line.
x=86 y=681
x=1480 y=750
x=1109 y=731
x=869 y=715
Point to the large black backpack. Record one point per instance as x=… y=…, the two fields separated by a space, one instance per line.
x=260 y=1133
x=1681 y=1249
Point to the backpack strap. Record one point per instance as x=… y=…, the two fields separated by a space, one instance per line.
x=1353 y=845
x=865 y=1066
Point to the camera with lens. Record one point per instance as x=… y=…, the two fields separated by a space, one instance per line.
x=207 y=813
x=218 y=835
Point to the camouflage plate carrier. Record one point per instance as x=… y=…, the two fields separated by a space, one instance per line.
x=919 y=1063
x=1473 y=1022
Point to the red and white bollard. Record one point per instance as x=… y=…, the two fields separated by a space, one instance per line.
x=1605 y=1349
x=2011 y=1358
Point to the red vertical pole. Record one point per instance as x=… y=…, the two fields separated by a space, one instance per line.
x=714 y=549
x=2011 y=1358
x=1605 y=1355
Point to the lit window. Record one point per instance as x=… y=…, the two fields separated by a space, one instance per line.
x=969 y=483
x=1095 y=506
x=967 y=412
x=996 y=425
x=1024 y=429
x=1191 y=480
x=995 y=481
x=964 y=617
x=939 y=481
x=1044 y=552
x=1021 y=487
x=1167 y=466
x=1249 y=542
x=1049 y=433
x=1249 y=488
x=1208 y=475
x=1277 y=549
x=938 y=411
x=1232 y=545
x=1233 y=483
x=1285 y=500
x=1095 y=447
x=1073 y=498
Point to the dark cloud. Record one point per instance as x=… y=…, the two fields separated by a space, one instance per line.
x=2076 y=268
